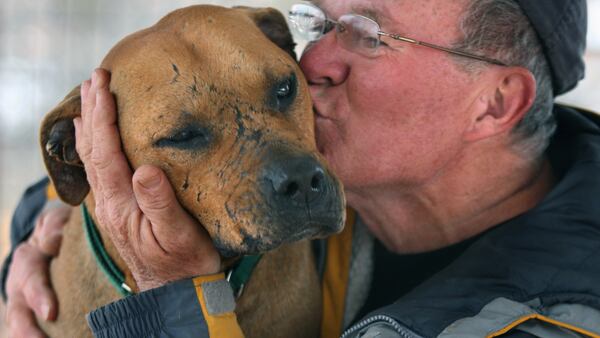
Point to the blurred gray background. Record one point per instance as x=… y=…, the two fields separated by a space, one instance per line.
x=49 y=46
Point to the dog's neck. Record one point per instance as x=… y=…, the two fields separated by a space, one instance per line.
x=230 y=265
x=109 y=248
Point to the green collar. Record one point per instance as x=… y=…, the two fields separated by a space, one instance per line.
x=237 y=277
x=107 y=265
x=240 y=274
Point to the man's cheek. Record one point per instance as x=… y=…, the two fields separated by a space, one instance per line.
x=327 y=134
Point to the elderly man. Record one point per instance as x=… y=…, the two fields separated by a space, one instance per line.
x=439 y=118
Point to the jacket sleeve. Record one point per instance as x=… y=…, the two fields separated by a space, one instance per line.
x=201 y=307
x=23 y=221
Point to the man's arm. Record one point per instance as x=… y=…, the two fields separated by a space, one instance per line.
x=198 y=307
x=36 y=235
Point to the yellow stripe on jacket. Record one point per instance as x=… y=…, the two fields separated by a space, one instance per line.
x=51 y=193
x=223 y=325
x=535 y=316
x=335 y=279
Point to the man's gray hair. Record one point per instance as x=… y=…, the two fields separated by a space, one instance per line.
x=499 y=29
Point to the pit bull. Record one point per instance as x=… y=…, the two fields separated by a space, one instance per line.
x=215 y=98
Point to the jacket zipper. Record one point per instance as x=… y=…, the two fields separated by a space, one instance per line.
x=402 y=331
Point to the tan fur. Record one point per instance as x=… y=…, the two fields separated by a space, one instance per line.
x=282 y=299
x=189 y=68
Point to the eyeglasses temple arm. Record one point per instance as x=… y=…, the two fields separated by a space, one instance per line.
x=448 y=50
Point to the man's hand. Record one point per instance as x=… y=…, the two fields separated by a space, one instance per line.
x=156 y=237
x=28 y=285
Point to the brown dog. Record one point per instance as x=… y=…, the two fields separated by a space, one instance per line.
x=214 y=97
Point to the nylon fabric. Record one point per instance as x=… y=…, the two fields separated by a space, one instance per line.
x=335 y=281
x=221 y=325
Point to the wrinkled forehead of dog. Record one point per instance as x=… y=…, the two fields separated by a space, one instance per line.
x=215 y=47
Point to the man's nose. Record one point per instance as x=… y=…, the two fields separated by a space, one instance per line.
x=325 y=62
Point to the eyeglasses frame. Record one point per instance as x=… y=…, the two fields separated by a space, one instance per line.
x=331 y=24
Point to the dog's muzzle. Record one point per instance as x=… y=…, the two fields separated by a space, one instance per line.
x=304 y=200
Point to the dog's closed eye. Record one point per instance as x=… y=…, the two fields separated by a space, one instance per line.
x=188 y=137
x=283 y=93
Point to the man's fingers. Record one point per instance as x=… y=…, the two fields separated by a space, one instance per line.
x=104 y=118
x=158 y=203
x=107 y=161
x=99 y=145
x=84 y=90
x=155 y=195
x=47 y=235
x=88 y=102
x=21 y=321
x=82 y=137
x=79 y=144
x=167 y=233
x=28 y=280
x=40 y=297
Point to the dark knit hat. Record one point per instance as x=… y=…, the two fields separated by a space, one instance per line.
x=562 y=27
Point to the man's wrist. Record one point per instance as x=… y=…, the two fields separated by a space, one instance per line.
x=203 y=306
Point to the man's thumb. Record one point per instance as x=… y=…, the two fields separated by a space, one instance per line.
x=157 y=201
x=155 y=195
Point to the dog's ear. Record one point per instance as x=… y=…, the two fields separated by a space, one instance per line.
x=57 y=138
x=272 y=23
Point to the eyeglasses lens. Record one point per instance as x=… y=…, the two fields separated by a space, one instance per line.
x=358 y=33
x=308 y=21
x=355 y=32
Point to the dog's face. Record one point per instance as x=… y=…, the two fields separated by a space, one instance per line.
x=213 y=97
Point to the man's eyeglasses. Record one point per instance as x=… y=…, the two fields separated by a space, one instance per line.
x=356 y=33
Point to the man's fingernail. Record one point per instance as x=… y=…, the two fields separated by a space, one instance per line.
x=94 y=77
x=150 y=182
x=99 y=80
x=45 y=310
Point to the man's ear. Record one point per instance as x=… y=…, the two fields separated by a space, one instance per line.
x=57 y=139
x=503 y=104
x=272 y=23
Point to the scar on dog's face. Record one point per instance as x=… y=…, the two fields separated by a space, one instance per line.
x=215 y=98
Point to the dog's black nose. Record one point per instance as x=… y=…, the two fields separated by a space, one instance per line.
x=302 y=199
x=298 y=179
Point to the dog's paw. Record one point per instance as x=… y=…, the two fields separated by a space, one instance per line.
x=61 y=143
